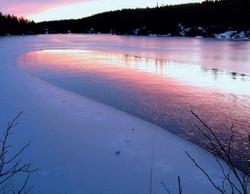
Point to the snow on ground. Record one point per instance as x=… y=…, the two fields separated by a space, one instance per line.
x=74 y=139
x=232 y=35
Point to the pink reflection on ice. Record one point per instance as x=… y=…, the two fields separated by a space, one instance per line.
x=116 y=64
x=163 y=91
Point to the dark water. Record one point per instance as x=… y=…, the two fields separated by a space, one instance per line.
x=210 y=78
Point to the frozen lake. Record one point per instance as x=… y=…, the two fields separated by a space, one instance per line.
x=159 y=80
x=90 y=102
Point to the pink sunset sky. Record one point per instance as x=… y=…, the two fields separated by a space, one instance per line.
x=41 y=10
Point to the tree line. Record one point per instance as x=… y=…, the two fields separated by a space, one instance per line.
x=12 y=25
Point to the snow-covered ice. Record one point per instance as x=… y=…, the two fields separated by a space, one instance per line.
x=74 y=139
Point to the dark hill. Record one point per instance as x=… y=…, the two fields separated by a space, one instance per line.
x=213 y=16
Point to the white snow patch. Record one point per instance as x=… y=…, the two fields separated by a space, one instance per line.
x=232 y=35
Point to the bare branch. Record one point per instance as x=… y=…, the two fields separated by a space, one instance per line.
x=24 y=185
x=165 y=187
x=10 y=163
x=205 y=173
x=179 y=185
x=223 y=151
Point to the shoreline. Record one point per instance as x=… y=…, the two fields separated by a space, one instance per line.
x=132 y=35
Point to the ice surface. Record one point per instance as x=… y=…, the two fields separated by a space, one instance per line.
x=75 y=139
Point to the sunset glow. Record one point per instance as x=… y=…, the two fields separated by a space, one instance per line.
x=68 y=9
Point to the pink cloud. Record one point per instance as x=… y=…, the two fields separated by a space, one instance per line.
x=30 y=7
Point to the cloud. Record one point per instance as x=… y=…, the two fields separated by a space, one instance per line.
x=30 y=7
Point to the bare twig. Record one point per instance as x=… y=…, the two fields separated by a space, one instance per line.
x=205 y=173
x=237 y=181
x=165 y=187
x=222 y=150
x=179 y=185
x=10 y=163
x=152 y=166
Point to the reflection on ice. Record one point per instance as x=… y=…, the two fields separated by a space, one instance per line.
x=191 y=74
x=161 y=91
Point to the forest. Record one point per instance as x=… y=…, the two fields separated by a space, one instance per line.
x=12 y=25
x=192 y=19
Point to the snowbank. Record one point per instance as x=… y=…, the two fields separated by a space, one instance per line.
x=233 y=35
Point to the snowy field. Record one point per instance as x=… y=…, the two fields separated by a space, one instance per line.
x=75 y=140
